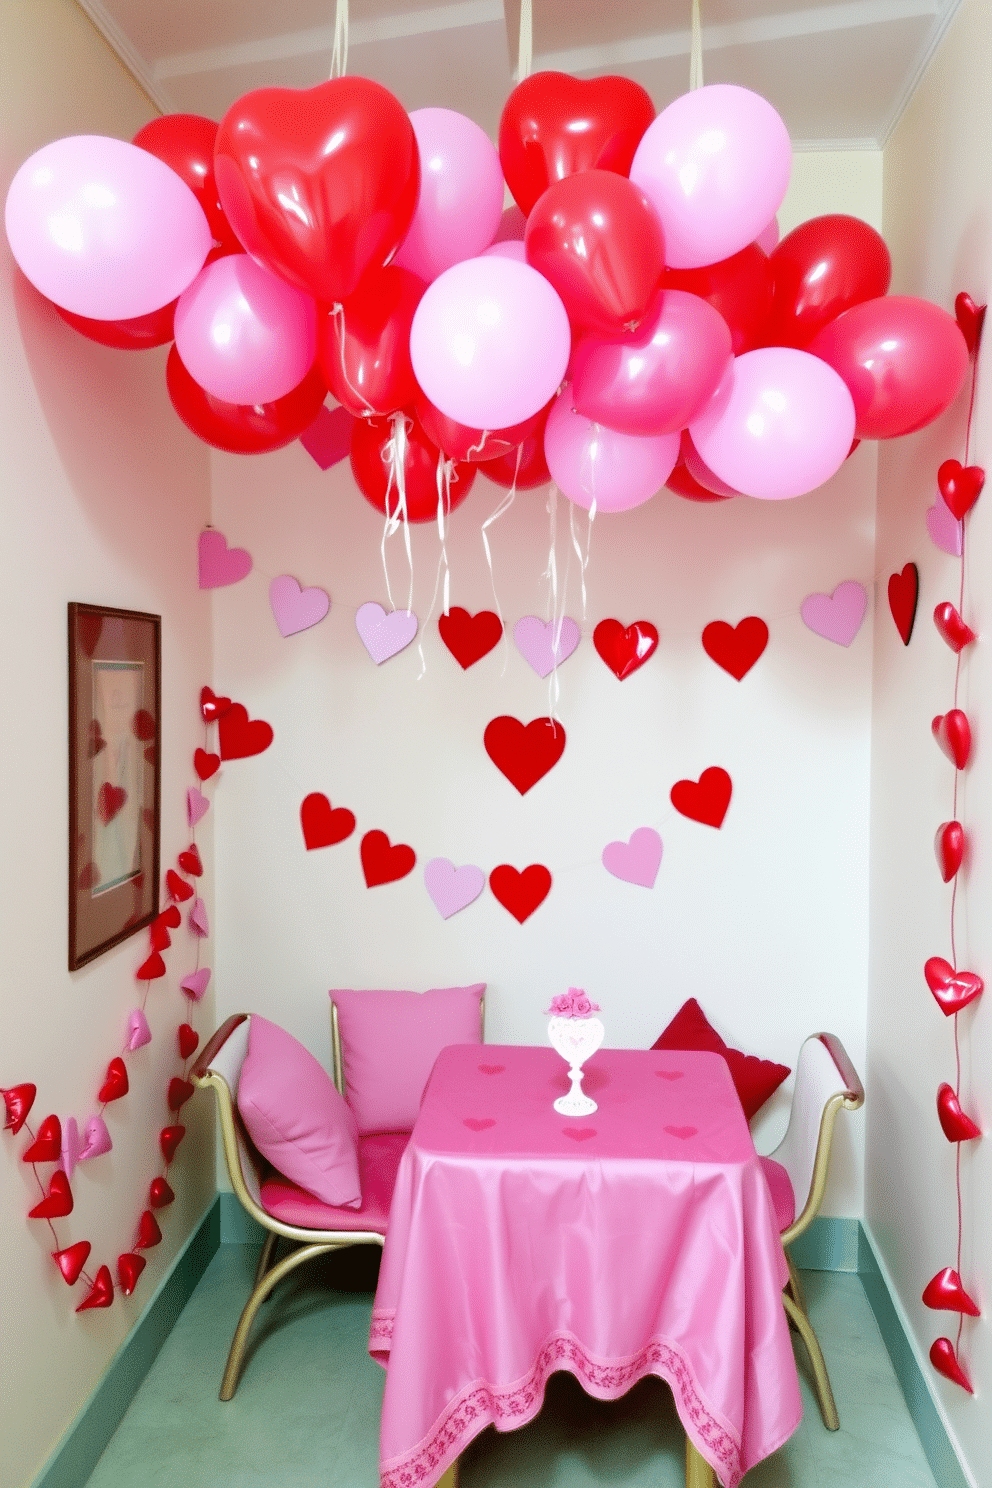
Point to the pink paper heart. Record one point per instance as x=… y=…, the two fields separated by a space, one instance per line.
x=219 y=564
x=535 y=640
x=384 y=635
x=478 y=1123
x=96 y=1139
x=138 y=1032
x=196 y=983
x=452 y=888
x=580 y=1133
x=837 y=616
x=197 y=805
x=328 y=439
x=71 y=1145
x=296 y=609
x=669 y=1074
x=682 y=1132
x=491 y=1069
x=198 y=921
x=946 y=532
x=636 y=861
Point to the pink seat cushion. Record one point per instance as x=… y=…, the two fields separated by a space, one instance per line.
x=754 y=1079
x=390 y=1041
x=780 y=1186
x=378 y=1160
x=295 y=1116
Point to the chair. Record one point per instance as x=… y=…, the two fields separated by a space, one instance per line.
x=826 y=1082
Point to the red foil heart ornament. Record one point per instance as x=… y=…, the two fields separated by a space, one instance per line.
x=322 y=824
x=952 y=732
x=129 y=1268
x=520 y=892
x=189 y=861
x=945 y=1292
x=211 y=706
x=178 y=888
x=159 y=1193
x=101 y=1294
x=625 y=648
x=469 y=637
x=241 y=736
x=170 y=916
x=945 y=1361
x=736 y=648
x=948 y=846
x=17 y=1103
x=116 y=1083
x=151 y=969
x=951 y=628
x=72 y=1260
x=384 y=863
x=57 y=1203
x=178 y=1093
x=970 y=318
x=205 y=764
x=524 y=753
x=705 y=800
x=904 y=592
x=955 y=1124
x=952 y=989
x=47 y=1145
x=187 y=1038
x=159 y=937
x=960 y=485
x=169 y=1139
x=149 y=1233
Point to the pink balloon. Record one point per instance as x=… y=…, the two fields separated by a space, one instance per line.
x=105 y=229
x=657 y=379
x=244 y=335
x=779 y=425
x=508 y=248
x=512 y=224
x=461 y=194
x=767 y=239
x=490 y=342
x=591 y=463
x=715 y=165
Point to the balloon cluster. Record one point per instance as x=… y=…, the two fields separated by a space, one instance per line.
x=630 y=323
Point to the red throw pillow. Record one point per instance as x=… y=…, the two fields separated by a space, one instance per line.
x=754 y=1079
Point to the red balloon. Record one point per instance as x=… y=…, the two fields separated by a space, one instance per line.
x=820 y=270
x=320 y=184
x=186 y=143
x=739 y=287
x=370 y=464
x=598 y=240
x=903 y=359
x=474 y=445
x=138 y=334
x=554 y=126
x=250 y=430
x=683 y=484
x=363 y=349
x=525 y=466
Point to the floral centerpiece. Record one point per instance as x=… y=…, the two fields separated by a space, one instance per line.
x=576 y=1035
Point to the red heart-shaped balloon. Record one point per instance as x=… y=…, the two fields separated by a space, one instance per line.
x=72 y=1260
x=524 y=753
x=319 y=184
x=151 y=969
x=168 y=1139
x=625 y=648
x=178 y=887
x=47 y=1145
x=554 y=126
x=159 y=1193
x=101 y=1293
x=188 y=1039
x=116 y=1083
x=57 y=1203
x=970 y=318
x=179 y=1092
x=952 y=989
x=159 y=937
x=953 y=733
x=241 y=736
x=110 y=801
x=946 y=1292
x=520 y=892
x=469 y=637
x=205 y=764
x=211 y=706
x=170 y=917
x=945 y=1361
x=705 y=800
x=904 y=591
x=129 y=1268
x=948 y=846
x=951 y=628
x=17 y=1102
x=736 y=647
x=149 y=1233
x=322 y=826
x=189 y=861
x=960 y=485
x=382 y=862
x=955 y=1124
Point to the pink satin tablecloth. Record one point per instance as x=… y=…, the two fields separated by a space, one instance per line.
x=639 y=1240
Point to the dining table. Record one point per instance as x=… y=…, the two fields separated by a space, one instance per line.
x=640 y=1239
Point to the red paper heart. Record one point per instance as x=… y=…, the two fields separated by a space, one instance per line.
x=955 y=1124
x=945 y=1361
x=682 y=1132
x=188 y=1039
x=205 y=764
x=116 y=1083
x=952 y=989
x=101 y=1293
x=705 y=800
x=904 y=591
x=322 y=825
x=159 y=1193
x=179 y=1092
x=109 y=801
x=72 y=1260
x=952 y=628
x=625 y=649
x=520 y=892
x=383 y=863
x=149 y=1233
x=168 y=1139
x=159 y=937
x=211 y=706
x=736 y=647
x=524 y=753
x=143 y=726
x=945 y=1292
x=579 y=1133
x=47 y=1145
x=469 y=637
x=554 y=125
x=178 y=887
x=948 y=845
x=953 y=733
x=58 y=1202
x=152 y=969
x=960 y=486
x=478 y=1123
x=241 y=736
x=970 y=318
x=170 y=916
x=17 y=1102
x=129 y=1268
x=189 y=861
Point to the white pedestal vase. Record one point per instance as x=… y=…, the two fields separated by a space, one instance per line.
x=575 y=1039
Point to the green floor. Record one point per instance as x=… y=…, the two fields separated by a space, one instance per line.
x=307 y=1409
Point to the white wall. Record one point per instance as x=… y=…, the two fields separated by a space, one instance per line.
x=938 y=201
x=102 y=496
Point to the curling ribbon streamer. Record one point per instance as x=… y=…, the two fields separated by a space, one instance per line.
x=394 y=456
x=339 y=57
x=696 y=50
x=525 y=41
x=504 y=506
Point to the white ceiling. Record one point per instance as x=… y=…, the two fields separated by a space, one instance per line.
x=839 y=73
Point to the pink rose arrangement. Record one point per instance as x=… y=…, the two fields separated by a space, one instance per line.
x=572 y=1004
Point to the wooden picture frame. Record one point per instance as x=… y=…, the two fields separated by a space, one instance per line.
x=115 y=740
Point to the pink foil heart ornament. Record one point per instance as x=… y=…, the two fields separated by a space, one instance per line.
x=945 y=1361
x=197 y=805
x=636 y=861
x=295 y=608
x=96 y=1139
x=545 y=644
x=196 y=983
x=946 y=532
x=836 y=617
x=138 y=1032
x=220 y=565
x=71 y=1145
x=945 y=1292
x=452 y=888
x=384 y=635
x=198 y=921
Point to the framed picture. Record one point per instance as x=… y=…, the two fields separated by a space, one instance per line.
x=114 y=776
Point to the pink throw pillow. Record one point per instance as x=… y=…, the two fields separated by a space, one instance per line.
x=295 y=1116
x=389 y=1042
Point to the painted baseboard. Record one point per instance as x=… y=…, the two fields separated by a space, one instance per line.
x=77 y=1454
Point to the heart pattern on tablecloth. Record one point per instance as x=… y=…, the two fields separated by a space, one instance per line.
x=682 y=1132
x=579 y=1133
x=479 y=1123
x=491 y=1069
